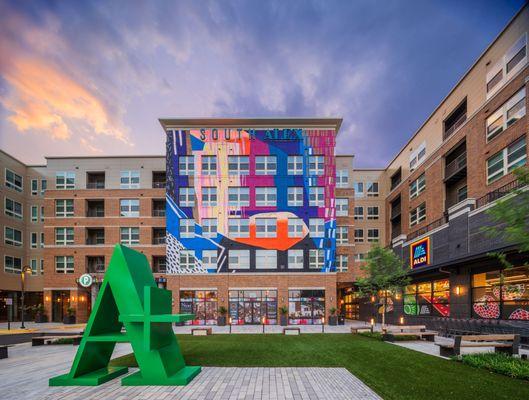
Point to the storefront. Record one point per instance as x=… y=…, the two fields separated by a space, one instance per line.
x=350 y=304
x=306 y=307
x=60 y=305
x=431 y=298
x=248 y=307
x=202 y=303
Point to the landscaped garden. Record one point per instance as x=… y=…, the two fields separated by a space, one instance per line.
x=392 y=371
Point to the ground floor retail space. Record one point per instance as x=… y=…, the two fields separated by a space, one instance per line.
x=11 y=305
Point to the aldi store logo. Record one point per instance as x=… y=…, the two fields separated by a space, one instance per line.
x=420 y=253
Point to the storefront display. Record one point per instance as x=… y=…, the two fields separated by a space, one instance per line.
x=306 y=307
x=202 y=303
x=430 y=298
x=248 y=307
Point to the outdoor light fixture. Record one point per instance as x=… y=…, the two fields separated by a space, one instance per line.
x=401 y=320
x=372 y=322
x=264 y=322
x=458 y=290
x=47 y=298
x=230 y=321
x=372 y=299
x=322 y=324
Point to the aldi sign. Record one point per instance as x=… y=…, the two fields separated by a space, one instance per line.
x=420 y=253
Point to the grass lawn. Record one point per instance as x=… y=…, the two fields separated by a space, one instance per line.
x=392 y=371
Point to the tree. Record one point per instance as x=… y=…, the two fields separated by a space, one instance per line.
x=511 y=217
x=384 y=272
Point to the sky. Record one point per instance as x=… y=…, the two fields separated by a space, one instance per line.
x=93 y=77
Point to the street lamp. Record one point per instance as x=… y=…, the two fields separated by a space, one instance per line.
x=23 y=278
x=322 y=324
x=230 y=320
x=264 y=322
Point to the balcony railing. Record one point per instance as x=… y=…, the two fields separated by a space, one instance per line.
x=158 y=212
x=159 y=184
x=498 y=193
x=395 y=212
x=460 y=121
x=158 y=240
x=95 y=185
x=95 y=213
x=456 y=165
x=436 y=224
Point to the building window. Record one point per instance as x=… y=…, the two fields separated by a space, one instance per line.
x=64 y=236
x=306 y=307
x=239 y=259
x=64 y=208
x=266 y=196
x=265 y=165
x=316 y=165
x=187 y=228
x=359 y=213
x=238 y=197
x=209 y=196
x=34 y=214
x=186 y=165
x=418 y=156
x=265 y=227
x=342 y=207
x=130 y=236
x=418 y=215
x=358 y=189
x=186 y=196
x=12 y=236
x=360 y=257
x=342 y=234
x=295 y=227
x=64 y=264
x=251 y=306
x=65 y=180
x=359 y=235
x=511 y=62
x=43 y=186
x=239 y=227
x=295 y=196
x=506 y=115
x=428 y=299
x=506 y=160
x=342 y=261
x=372 y=235
x=295 y=259
x=187 y=259
x=295 y=165
x=316 y=196
x=209 y=165
x=266 y=259
x=317 y=227
x=316 y=258
x=13 y=180
x=42 y=266
x=12 y=265
x=34 y=240
x=417 y=186
x=13 y=208
x=372 y=189
x=372 y=212
x=494 y=297
x=34 y=187
x=209 y=260
x=209 y=227
x=202 y=303
x=42 y=239
x=342 y=178
x=41 y=213
x=238 y=165
x=34 y=266
x=129 y=207
x=462 y=193
x=130 y=180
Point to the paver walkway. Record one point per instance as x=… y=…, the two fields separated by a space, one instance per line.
x=26 y=372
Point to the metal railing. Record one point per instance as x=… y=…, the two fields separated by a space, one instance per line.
x=158 y=212
x=460 y=121
x=158 y=240
x=436 y=224
x=95 y=185
x=96 y=213
x=498 y=193
x=456 y=165
x=158 y=184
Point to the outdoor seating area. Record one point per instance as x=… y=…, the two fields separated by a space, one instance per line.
x=508 y=344
x=470 y=326
x=415 y=331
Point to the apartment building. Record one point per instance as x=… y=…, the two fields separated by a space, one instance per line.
x=21 y=235
x=450 y=172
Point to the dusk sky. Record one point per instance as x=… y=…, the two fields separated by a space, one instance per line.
x=93 y=77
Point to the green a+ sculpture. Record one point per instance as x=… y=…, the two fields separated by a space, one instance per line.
x=130 y=298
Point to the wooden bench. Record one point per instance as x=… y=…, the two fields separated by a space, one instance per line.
x=42 y=340
x=201 y=331
x=360 y=330
x=503 y=343
x=291 y=331
x=3 y=352
x=418 y=331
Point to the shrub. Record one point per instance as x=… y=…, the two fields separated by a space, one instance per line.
x=372 y=335
x=499 y=363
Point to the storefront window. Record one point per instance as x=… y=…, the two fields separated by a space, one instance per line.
x=306 y=307
x=430 y=298
x=350 y=305
x=509 y=299
x=202 y=303
x=251 y=306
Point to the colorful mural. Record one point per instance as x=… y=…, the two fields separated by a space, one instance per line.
x=209 y=172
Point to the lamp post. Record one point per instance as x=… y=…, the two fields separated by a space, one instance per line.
x=230 y=321
x=322 y=324
x=264 y=321
x=23 y=282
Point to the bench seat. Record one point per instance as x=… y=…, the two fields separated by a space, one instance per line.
x=509 y=344
x=201 y=331
x=291 y=331
x=42 y=340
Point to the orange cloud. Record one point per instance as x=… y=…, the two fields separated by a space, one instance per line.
x=43 y=98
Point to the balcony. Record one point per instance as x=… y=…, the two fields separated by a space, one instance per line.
x=159 y=264
x=436 y=224
x=396 y=179
x=395 y=208
x=159 y=179
x=456 y=169
x=95 y=236
x=95 y=264
x=95 y=180
x=498 y=193
x=158 y=208
x=158 y=236
x=95 y=208
x=455 y=120
x=448 y=132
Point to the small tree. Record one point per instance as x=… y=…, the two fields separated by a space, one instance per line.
x=384 y=272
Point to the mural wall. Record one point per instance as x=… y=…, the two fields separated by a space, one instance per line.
x=214 y=172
